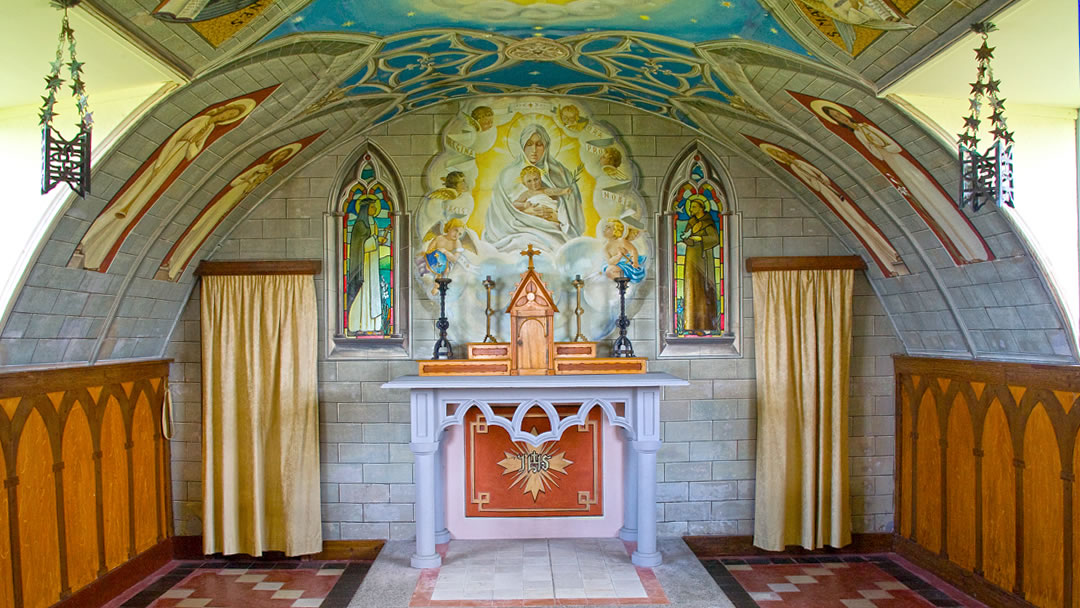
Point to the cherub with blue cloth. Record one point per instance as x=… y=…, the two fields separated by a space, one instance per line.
x=622 y=257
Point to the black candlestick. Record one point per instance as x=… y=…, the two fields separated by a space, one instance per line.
x=443 y=350
x=622 y=347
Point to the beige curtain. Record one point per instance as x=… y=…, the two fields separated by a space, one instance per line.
x=802 y=327
x=260 y=415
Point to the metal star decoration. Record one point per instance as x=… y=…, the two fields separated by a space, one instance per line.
x=985 y=176
x=65 y=160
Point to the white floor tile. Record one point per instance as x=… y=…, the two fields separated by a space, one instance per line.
x=268 y=586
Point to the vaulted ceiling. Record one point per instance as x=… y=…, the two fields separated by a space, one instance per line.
x=326 y=71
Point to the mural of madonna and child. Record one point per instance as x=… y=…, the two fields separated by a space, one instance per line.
x=516 y=171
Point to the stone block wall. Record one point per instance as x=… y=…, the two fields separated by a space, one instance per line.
x=706 y=466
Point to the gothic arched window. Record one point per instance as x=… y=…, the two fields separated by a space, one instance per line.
x=696 y=227
x=369 y=291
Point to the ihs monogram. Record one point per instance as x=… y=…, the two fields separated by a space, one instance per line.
x=536 y=467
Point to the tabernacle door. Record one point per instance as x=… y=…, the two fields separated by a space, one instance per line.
x=532 y=347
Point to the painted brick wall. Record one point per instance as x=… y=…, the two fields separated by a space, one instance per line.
x=706 y=466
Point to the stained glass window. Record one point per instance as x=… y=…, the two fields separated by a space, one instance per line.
x=698 y=222
x=368 y=254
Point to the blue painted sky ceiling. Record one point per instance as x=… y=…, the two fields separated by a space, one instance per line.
x=693 y=21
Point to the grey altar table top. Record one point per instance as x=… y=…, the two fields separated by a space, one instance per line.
x=559 y=381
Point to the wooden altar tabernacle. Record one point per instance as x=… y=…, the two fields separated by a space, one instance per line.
x=532 y=350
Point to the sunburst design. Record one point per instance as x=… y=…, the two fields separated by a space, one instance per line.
x=536 y=467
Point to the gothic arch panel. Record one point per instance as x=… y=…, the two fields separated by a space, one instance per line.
x=80 y=500
x=367 y=275
x=1044 y=546
x=998 y=499
x=928 y=476
x=698 y=278
x=960 y=485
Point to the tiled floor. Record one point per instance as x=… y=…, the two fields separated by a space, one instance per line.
x=219 y=584
x=849 y=581
x=577 y=572
x=543 y=572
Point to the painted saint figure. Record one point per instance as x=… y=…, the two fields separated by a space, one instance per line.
x=365 y=305
x=507 y=227
x=242 y=185
x=700 y=238
x=876 y=14
x=913 y=182
x=182 y=147
x=872 y=238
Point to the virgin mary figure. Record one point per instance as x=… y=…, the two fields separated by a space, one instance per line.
x=513 y=221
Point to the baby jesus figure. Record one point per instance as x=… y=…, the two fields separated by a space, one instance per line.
x=536 y=199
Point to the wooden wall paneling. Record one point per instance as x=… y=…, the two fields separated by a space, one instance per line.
x=960 y=484
x=1075 y=565
x=127 y=407
x=928 y=457
x=144 y=478
x=1043 y=544
x=38 y=530
x=1008 y=459
x=80 y=505
x=905 y=492
x=114 y=476
x=163 y=487
x=66 y=452
x=977 y=402
x=1066 y=433
x=51 y=407
x=7 y=590
x=998 y=499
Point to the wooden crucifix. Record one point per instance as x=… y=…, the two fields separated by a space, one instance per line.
x=531 y=252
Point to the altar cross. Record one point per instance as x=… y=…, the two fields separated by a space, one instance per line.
x=531 y=252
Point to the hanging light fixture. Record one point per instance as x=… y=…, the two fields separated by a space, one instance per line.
x=64 y=160
x=985 y=177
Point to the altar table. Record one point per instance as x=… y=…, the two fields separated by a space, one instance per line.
x=629 y=401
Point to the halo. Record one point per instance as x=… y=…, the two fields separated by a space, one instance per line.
x=521 y=121
x=291 y=150
x=768 y=149
x=819 y=105
x=706 y=205
x=245 y=105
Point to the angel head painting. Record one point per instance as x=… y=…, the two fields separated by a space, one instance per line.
x=521 y=171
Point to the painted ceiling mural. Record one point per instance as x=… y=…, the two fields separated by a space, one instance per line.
x=540 y=171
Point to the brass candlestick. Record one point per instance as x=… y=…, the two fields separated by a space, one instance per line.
x=578 y=311
x=489 y=285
